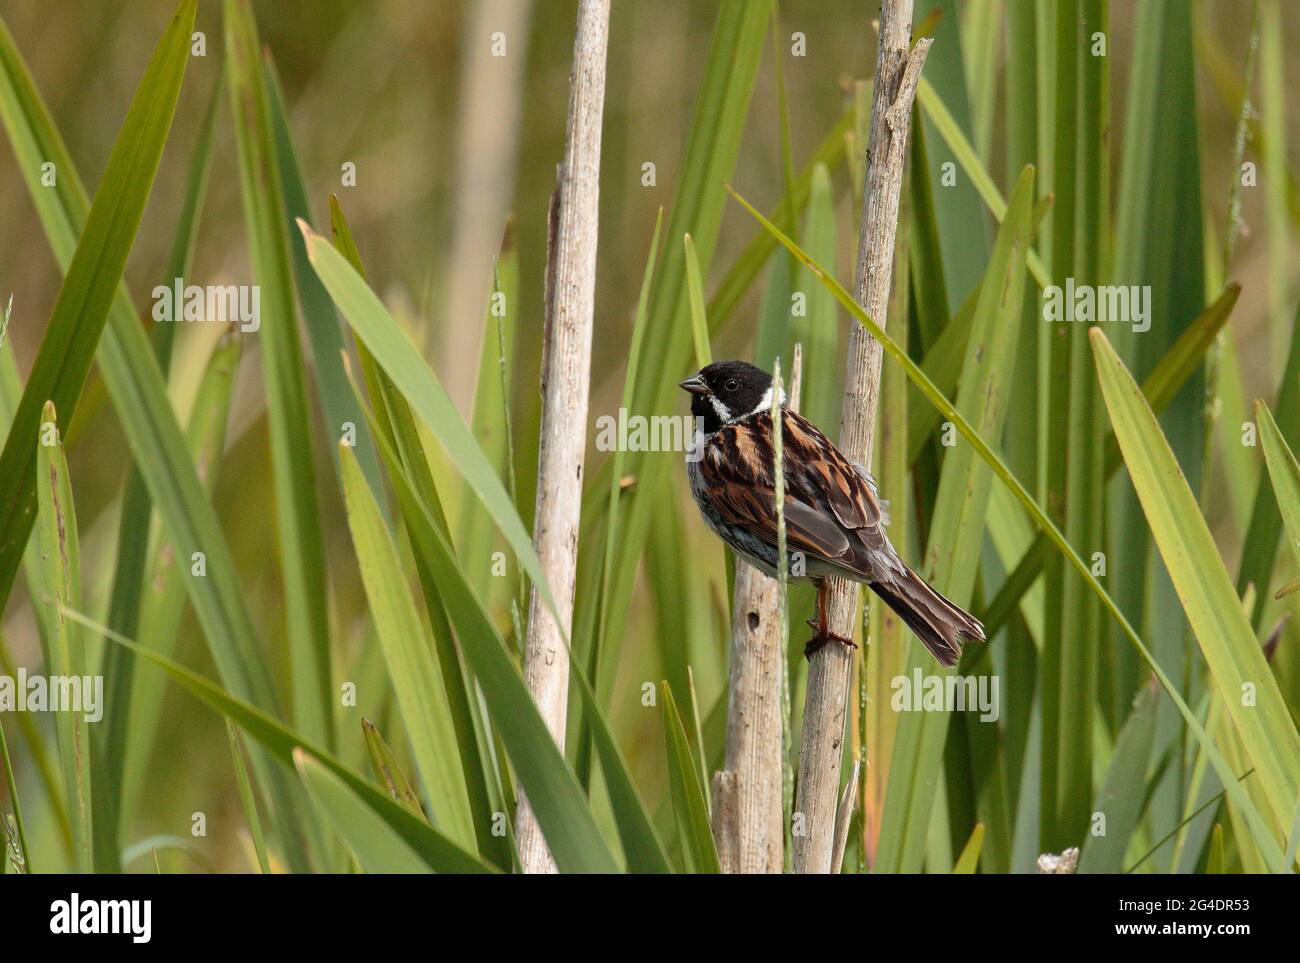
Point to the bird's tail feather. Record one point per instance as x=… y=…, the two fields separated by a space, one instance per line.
x=938 y=623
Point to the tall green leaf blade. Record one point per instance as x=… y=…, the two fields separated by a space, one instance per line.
x=942 y=364
x=748 y=265
x=376 y=845
x=929 y=294
x=412 y=664
x=324 y=332
x=957 y=528
x=11 y=389
x=981 y=33
x=1020 y=112
x=1273 y=150
x=689 y=807
x=420 y=387
x=683 y=642
x=1214 y=861
x=522 y=728
x=394 y=425
x=302 y=552
x=954 y=138
x=1124 y=788
x=562 y=810
x=437 y=851
x=1171 y=244
x=970 y=855
x=92 y=278
x=247 y=799
x=162 y=606
x=388 y=770
x=641 y=844
x=1260 y=549
x=1076 y=681
x=819 y=330
x=16 y=851
x=963 y=228
x=1139 y=174
x=1061 y=351
x=1240 y=672
x=1166 y=379
x=773 y=336
x=601 y=658
x=61 y=557
x=133 y=530
x=1250 y=846
x=491 y=420
x=1284 y=474
x=1241 y=470
x=887 y=653
x=695 y=289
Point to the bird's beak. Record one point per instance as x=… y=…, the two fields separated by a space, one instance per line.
x=695 y=385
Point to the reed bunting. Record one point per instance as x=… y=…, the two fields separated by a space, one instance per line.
x=835 y=521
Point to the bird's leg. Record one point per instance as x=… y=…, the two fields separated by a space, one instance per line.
x=824 y=633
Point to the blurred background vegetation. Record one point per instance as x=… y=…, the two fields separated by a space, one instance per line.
x=450 y=141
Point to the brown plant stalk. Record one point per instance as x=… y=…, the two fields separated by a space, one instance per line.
x=748 y=815
x=898 y=71
x=566 y=375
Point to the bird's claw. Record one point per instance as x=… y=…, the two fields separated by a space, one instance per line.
x=824 y=635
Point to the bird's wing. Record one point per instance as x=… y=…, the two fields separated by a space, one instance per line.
x=821 y=474
x=830 y=509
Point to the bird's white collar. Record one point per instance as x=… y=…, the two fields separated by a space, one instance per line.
x=765 y=403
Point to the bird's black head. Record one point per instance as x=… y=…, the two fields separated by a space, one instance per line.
x=727 y=390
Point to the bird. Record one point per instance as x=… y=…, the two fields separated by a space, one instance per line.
x=835 y=519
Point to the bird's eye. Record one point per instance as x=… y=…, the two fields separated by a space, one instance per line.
x=732 y=384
